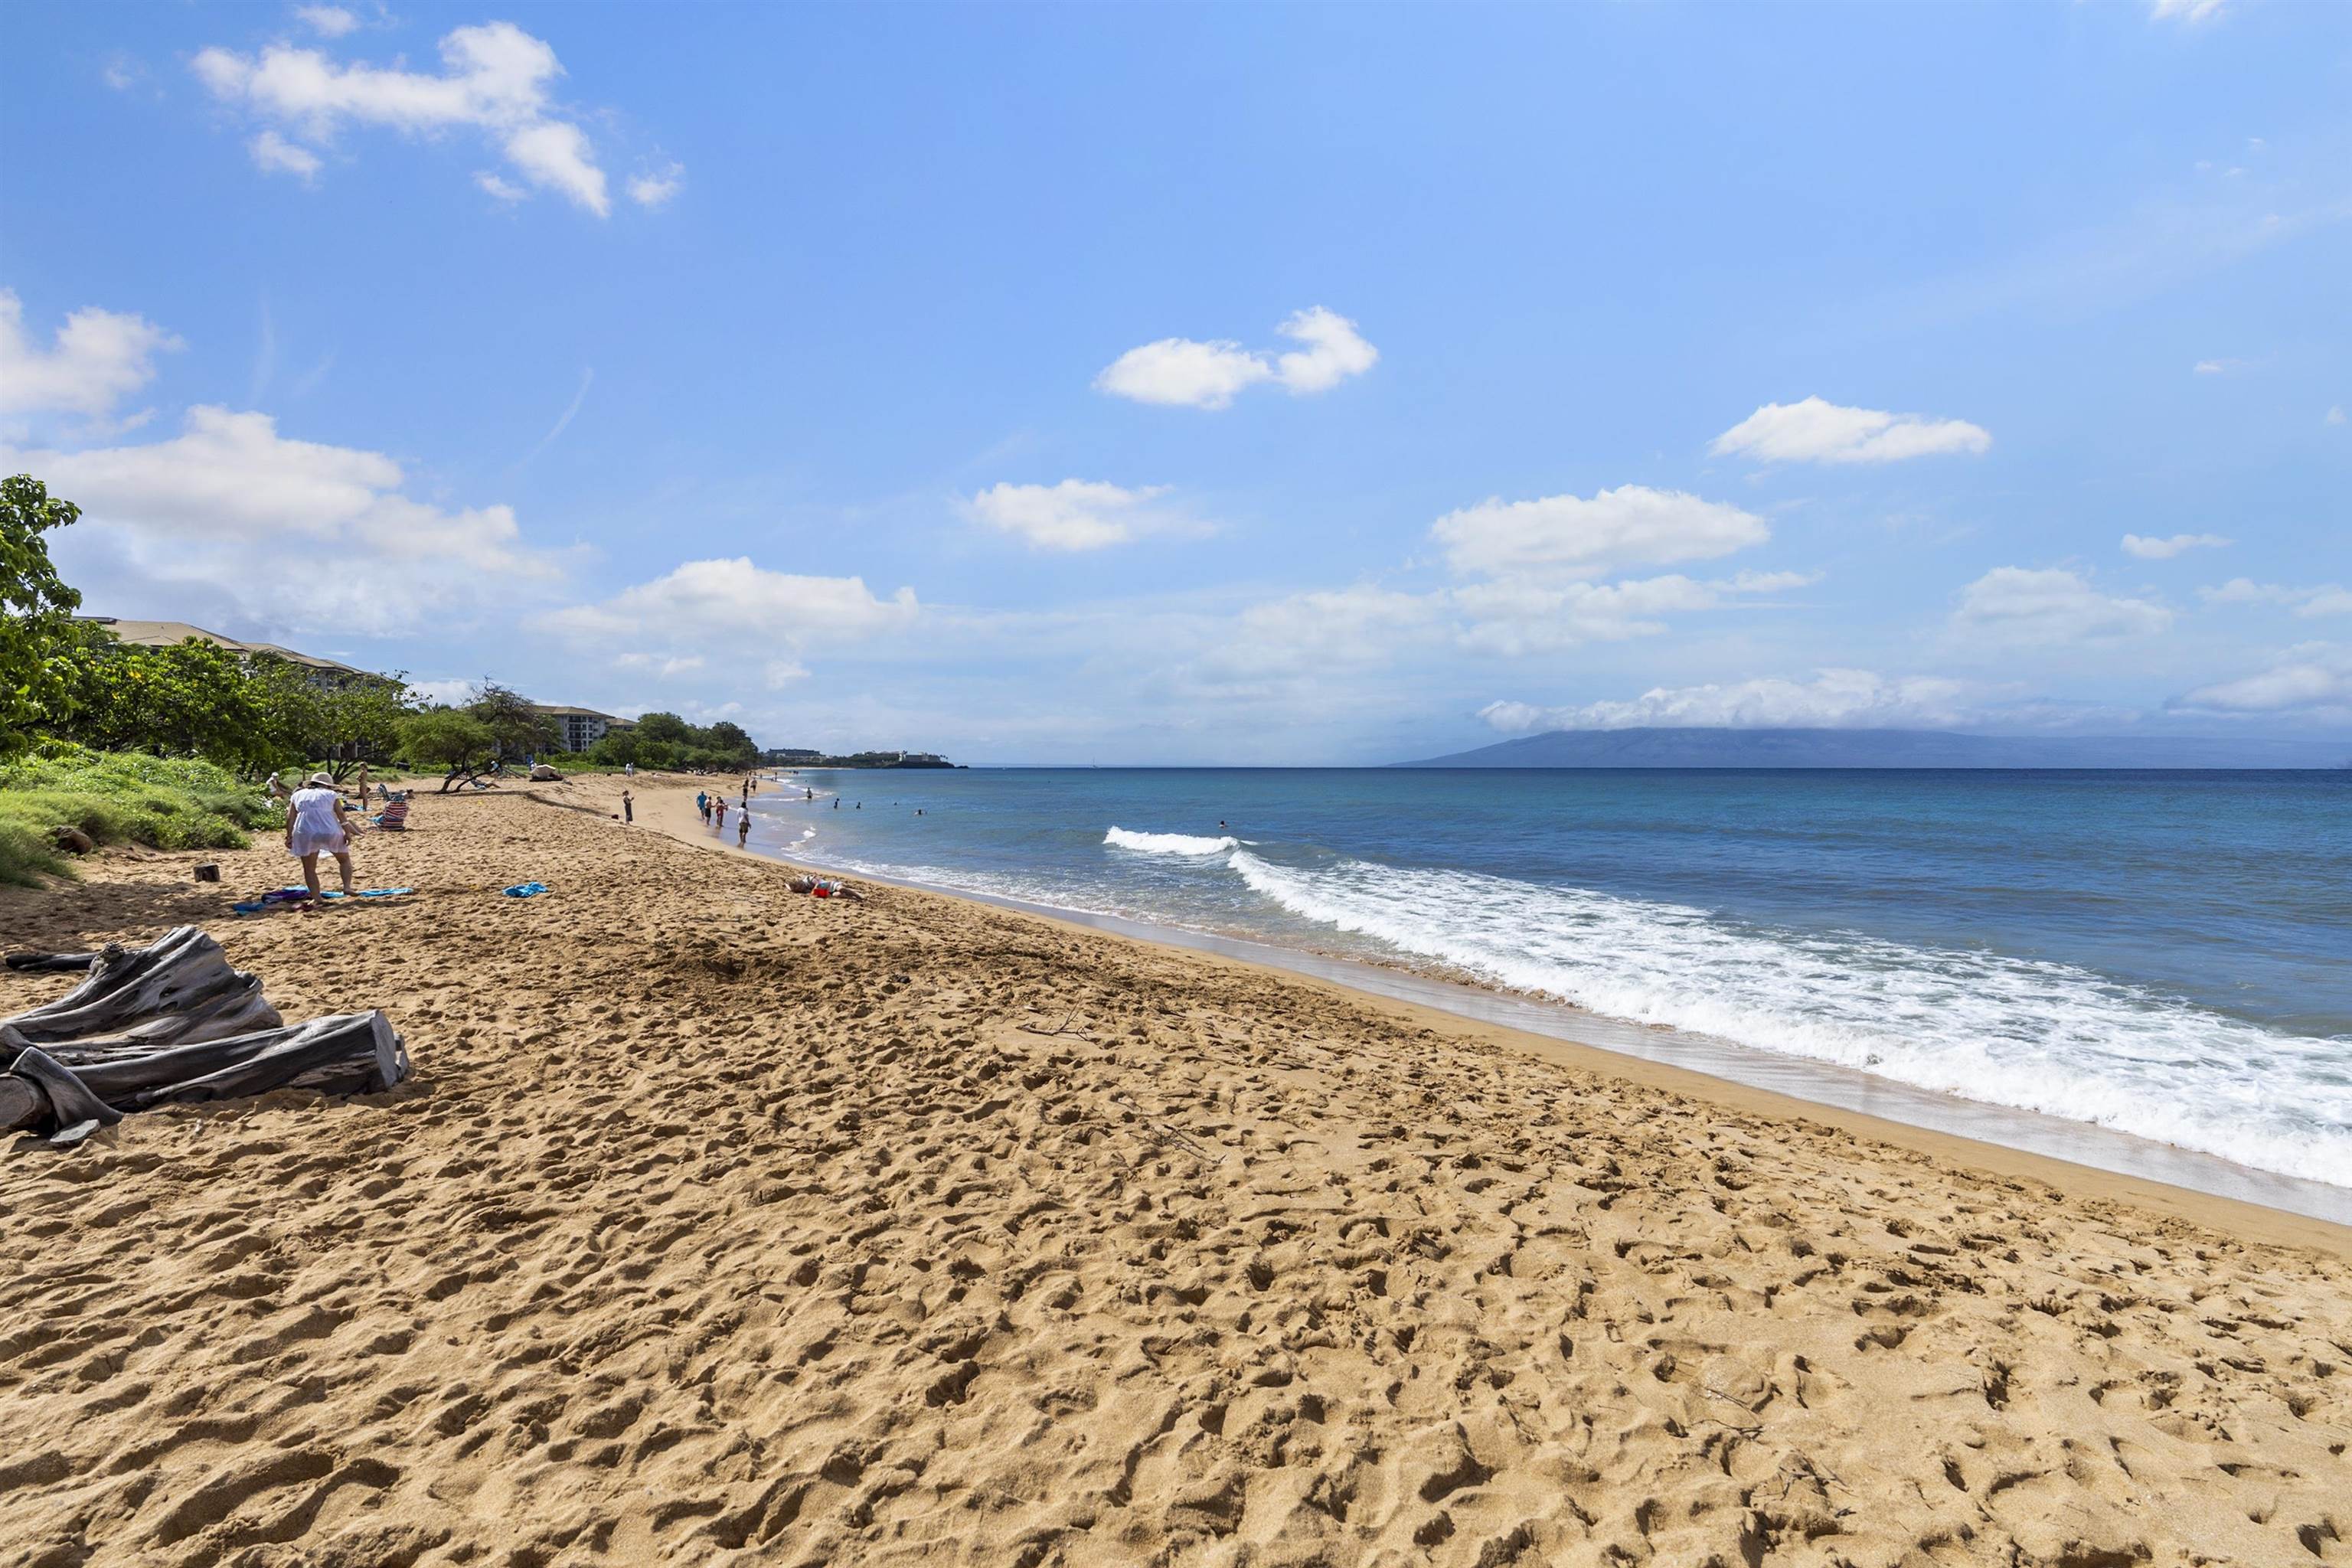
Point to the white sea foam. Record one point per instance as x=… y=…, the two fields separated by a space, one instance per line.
x=2038 y=1035
x=1168 y=843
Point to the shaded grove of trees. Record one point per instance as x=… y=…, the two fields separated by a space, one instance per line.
x=667 y=741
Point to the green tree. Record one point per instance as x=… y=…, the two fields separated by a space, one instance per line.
x=665 y=727
x=450 y=738
x=616 y=747
x=516 y=729
x=360 y=722
x=733 y=746
x=191 y=700
x=35 y=612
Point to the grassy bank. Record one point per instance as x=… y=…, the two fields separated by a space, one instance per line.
x=118 y=798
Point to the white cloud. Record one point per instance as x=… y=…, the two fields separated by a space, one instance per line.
x=651 y=190
x=122 y=73
x=447 y=690
x=297 y=535
x=555 y=153
x=327 y=21
x=1568 y=535
x=98 y=358
x=1183 y=372
x=499 y=187
x=2166 y=549
x=1815 y=431
x=2216 y=366
x=2335 y=416
x=1334 y=352
x=2191 y=12
x=1302 y=638
x=1187 y=373
x=272 y=153
x=665 y=666
x=2017 y=605
x=725 y=606
x=495 y=79
x=1853 y=699
x=1518 y=616
x=1076 y=514
x=2324 y=599
x=2314 y=676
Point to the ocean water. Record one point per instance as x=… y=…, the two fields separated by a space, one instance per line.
x=2165 y=954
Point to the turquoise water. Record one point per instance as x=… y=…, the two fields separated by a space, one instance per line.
x=2167 y=954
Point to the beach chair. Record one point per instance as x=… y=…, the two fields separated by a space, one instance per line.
x=394 y=818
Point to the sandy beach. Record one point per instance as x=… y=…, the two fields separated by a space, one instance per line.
x=724 y=1224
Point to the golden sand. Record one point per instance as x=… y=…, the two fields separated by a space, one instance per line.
x=721 y=1225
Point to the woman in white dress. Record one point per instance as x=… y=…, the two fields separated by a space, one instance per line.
x=314 y=824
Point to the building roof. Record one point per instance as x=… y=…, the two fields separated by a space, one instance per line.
x=558 y=710
x=171 y=634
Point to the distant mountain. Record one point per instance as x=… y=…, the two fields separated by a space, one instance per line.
x=1719 y=748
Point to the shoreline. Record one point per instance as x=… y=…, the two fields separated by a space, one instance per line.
x=2081 y=1156
x=722 y=1224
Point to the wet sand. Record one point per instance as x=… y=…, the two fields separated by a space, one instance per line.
x=725 y=1225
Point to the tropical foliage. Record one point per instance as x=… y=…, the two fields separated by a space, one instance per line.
x=171 y=803
x=667 y=741
x=35 y=609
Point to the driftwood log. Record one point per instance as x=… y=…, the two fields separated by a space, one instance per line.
x=348 y=1053
x=51 y=962
x=170 y=1022
x=179 y=990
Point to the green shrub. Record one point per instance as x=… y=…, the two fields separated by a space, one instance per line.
x=25 y=856
x=167 y=803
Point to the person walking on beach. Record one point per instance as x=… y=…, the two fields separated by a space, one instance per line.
x=628 y=809
x=742 y=830
x=719 y=806
x=314 y=825
x=702 y=804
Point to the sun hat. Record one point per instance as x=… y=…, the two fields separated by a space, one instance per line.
x=323 y=780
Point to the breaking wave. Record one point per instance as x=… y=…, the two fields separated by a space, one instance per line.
x=1168 y=843
x=2034 y=1035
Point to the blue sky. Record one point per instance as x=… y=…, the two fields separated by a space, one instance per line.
x=1210 y=383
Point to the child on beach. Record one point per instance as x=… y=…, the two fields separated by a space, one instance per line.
x=628 y=809
x=314 y=824
x=719 y=806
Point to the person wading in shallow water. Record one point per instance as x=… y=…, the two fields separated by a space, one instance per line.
x=742 y=830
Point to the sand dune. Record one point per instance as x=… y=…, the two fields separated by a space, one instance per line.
x=725 y=1225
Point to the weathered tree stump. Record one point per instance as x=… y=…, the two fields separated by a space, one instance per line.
x=180 y=989
x=171 y=1022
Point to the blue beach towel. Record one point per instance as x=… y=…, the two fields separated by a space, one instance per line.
x=526 y=889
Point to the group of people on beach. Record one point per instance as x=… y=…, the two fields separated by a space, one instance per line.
x=713 y=808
